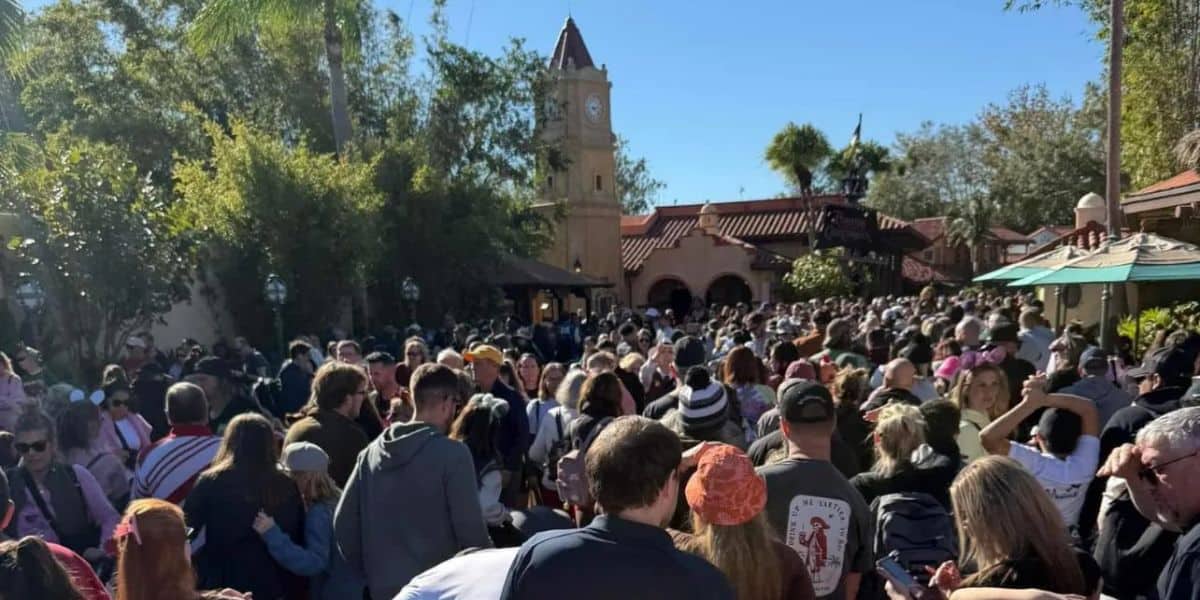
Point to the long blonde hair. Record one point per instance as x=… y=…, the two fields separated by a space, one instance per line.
x=316 y=487
x=1002 y=513
x=961 y=392
x=898 y=432
x=743 y=553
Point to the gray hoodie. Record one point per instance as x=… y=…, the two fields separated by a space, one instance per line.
x=410 y=504
x=1108 y=397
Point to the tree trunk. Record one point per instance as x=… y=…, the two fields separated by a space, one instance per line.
x=338 y=103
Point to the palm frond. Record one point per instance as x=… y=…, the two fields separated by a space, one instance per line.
x=220 y=22
x=1187 y=151
x=12 y=25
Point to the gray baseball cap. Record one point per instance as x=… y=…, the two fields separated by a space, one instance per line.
x=304 y=457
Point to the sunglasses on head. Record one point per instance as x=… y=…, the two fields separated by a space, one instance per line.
x=39 y=446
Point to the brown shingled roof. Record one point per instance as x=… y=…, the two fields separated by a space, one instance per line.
x=570 y=48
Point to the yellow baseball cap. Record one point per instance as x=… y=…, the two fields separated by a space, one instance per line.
x=484 y=352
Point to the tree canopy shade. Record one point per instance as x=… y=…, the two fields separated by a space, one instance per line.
x=270 y=207
x=98 y=238
x=797 y=152
x=222 y=22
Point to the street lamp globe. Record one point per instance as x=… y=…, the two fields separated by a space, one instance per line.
x=410 y=290
x=30 y=295
x=275 y=290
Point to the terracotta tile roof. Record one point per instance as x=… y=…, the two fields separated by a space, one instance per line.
x=1186 y=178
x=570 y=48
x=745 y=222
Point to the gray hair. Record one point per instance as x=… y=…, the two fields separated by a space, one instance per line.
x=451 y=354
x=1176 y=430
x=570 y=388
x=968 y=321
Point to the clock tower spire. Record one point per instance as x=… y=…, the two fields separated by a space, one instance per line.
x=578 y=120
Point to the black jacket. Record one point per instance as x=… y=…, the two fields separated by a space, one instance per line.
x=223 y=507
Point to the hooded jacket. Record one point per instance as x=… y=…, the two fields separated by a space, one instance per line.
x=410 y=504
x=1108 y=398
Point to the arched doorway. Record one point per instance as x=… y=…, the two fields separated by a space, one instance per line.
x=670 y=293
x=728 y=290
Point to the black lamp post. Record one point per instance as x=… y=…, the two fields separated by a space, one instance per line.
x=32 y=298
x=411 y=292
x=854 y=185
x=276 y=292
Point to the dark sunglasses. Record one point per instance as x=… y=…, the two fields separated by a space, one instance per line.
x=115 y=403
x=23 y=448
x=1152 y=474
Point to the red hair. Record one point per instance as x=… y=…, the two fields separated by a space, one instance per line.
x=151 y=561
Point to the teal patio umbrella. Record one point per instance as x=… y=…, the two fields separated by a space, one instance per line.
x=1035 y=265
x=1139 y=257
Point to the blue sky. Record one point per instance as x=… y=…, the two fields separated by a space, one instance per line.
x=700 y=86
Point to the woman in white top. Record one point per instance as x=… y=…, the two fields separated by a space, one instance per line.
x=551 y=441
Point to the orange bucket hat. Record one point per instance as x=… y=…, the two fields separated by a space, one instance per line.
x=725 y=490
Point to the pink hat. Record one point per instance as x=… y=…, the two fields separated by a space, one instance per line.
x=949 y=368
x=725 y=490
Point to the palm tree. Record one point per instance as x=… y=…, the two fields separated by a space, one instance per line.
x=219 y=22
x=12 y=18
x=796 y=152
x=1187 y=151
x=970 y=225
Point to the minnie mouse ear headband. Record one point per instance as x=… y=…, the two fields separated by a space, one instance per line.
x=96 y=397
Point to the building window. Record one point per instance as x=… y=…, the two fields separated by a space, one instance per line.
x=599 y=183
x=549 y=182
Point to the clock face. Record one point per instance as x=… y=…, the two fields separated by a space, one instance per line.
x=593 y=108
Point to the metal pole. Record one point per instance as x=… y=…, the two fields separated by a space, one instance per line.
x=1112 y=187
x=279 y=334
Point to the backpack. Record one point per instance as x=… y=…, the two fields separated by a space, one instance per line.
x=557 y=450
x=267 y=392
x=915 y=529
x=572 y=479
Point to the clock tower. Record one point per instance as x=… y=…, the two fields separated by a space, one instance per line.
x=578 y=119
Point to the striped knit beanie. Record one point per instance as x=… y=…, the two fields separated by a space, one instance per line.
x=703 y=408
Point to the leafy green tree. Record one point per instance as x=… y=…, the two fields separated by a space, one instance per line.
x=1041 y=155
x=798 y=152
x=221 y=22
x=821 y=274
x=1160 y=101
x=936 y=168
x=269 y=207
x=98 y=238
x=970 y=225
x=637 y=189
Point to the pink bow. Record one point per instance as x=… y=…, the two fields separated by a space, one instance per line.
x=972 y=359
x=127 y=527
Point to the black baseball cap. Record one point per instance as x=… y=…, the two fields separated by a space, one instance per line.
x=1094 y=359
x=216 y=367
x=1171 y=363
x=805 y=401
x=689 y=352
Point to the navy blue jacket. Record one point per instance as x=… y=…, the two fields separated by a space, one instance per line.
x=611 y=558
x=513 y=440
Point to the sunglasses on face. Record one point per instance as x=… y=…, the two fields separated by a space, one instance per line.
x=117 y=402
x=1152 y=475
x=39 y=446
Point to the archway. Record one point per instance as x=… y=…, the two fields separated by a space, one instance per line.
x=728 y=290
x=670 y=293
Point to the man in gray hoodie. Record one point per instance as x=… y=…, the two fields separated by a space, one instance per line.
x=411 y=501
x=1097 y=385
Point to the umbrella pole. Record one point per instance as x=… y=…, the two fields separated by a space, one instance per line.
x=1137 y=325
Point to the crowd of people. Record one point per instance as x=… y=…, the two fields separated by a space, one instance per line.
x=937 y=446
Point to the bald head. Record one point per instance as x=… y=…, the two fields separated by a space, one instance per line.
x=899 y=374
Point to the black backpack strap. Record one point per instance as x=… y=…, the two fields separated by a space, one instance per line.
x=558 y=425
x=95 y=459
x=120 y=436
x=40 y=502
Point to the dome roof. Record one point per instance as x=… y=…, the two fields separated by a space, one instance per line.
x=708 y=209
x=1091 y=200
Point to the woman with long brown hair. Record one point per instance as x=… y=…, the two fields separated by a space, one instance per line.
x=730 y=530
x=745 y=373
x=152 y=555
x=244 y=479
x=29 y=570
x=982 y=395
x=1011 y=531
